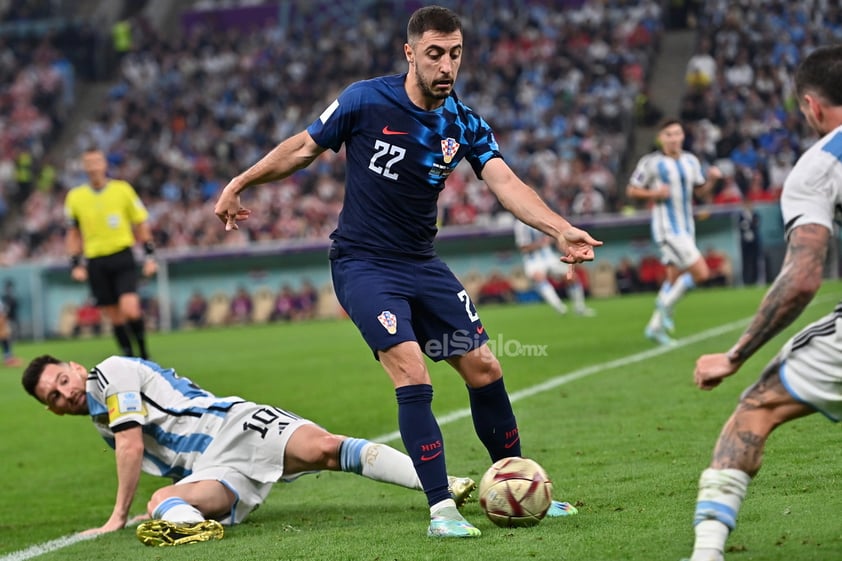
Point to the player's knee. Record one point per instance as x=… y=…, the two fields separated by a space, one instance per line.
x=157 y=498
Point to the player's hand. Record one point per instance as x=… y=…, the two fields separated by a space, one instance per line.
x=576 y=245
x=229 y=210
x=712 y=369
x=714 y=172
x=150 y=266
x=114 y=523
x=79 y=273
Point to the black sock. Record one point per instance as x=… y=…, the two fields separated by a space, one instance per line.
x=123 y=341
x=422 y=438
x=138 y=330
x=494 y=420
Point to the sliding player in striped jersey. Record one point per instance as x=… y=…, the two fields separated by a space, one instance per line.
x=224 y=453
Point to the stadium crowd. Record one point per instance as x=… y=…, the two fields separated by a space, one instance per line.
x=560 y=86
x=738 y=108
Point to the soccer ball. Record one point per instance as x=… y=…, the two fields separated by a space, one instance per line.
x=515 y=492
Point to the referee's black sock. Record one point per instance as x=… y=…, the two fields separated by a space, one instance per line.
x=123 y=341
x=139 y=333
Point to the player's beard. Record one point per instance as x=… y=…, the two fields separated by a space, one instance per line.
x=427 y=88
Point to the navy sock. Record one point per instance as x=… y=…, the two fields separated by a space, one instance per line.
x=422 y=439
x=7 y=348
x=494 y=420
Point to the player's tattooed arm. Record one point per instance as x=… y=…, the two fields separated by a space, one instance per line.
x=799 y=280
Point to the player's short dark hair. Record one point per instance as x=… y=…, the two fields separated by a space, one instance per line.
x=432 y=18
x=33 y=372
x=668 y=122
x=821 y=73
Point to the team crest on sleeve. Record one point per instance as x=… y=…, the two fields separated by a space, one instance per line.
x=449 y=147
x=389 y=321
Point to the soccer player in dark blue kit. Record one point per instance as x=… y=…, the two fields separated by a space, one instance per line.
x=403 y=135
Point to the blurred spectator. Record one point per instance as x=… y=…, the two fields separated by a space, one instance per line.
x=241 y=306
x=285 y=305
x=308 y=298
x=627 y=277
x=496 y=289
x=197 y=309
x=651 y=273
x=701 y=68
x=728 y=192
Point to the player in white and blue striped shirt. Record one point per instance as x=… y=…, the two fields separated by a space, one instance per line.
x=669 y=177
x=222 y=453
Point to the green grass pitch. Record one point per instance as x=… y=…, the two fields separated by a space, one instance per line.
x=615 y=421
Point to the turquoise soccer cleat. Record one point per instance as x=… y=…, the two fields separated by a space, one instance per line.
x=448 y=523
x=560 y=508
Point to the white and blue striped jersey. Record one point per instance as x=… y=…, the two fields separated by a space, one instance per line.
x=812 y=192
x=674 y=215
x=179 y=420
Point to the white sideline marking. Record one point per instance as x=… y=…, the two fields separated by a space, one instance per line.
x=582 y=373
x=46 y=547
x=59 y=543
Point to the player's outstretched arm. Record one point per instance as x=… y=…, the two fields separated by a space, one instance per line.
x=799 y=280
x=291 y=155
x=521 y=200
x=128 y=450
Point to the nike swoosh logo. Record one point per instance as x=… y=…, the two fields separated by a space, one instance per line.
x=512 y=443
x=480 y=329
x=387 y=130
x=426 y=458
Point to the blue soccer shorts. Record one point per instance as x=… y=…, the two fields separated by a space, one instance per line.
x=393 y=301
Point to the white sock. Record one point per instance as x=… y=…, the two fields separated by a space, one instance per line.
x=655 y=322
x=379 y=462
x=721 y=494
x=674 y=294
x=577 y=295
x=446 y=503
x=548 y=293
x=176 y=509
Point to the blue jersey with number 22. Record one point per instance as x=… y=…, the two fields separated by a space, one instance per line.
x=398 y=157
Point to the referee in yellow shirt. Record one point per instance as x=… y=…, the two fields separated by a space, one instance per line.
x=105 y=217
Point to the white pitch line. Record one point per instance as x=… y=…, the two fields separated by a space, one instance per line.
x=582 y=373
x=46 y=547
x=60 y=543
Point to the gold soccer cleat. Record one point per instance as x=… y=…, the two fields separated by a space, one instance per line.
x=164 y=533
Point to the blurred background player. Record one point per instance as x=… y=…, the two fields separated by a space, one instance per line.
x=806 y=375
x=105 y=217
x=224 y=456
x=540 y=260
x=669 y=178
x=6 y=325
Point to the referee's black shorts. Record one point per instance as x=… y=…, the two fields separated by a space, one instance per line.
x=112 y=275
